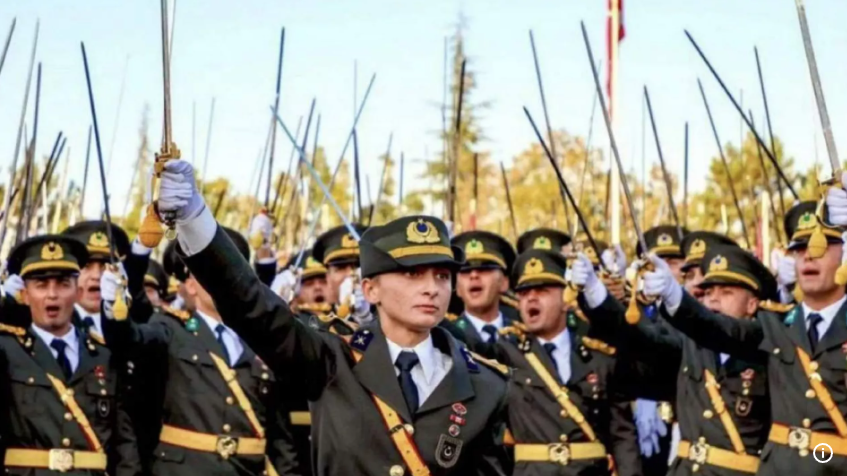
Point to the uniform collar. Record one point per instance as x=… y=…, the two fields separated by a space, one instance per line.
x=478 y=323
x=425 y=351
x=212 y=323
x=83 y=313
x=827 y=314
x=70 y=338
x=562 y=341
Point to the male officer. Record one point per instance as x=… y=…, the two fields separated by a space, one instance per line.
x=695 y=245
x=95 y=237
x=60 y=410
x=480 y=283
x=565 y=413
x=805 y=352
x=722 y=401
x=402 y=397
x=339 y=252
x=219 y=404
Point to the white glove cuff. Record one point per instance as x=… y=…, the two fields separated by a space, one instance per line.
x=140 y=250
x=673 y=299
x=595 y=293
x=195 y=234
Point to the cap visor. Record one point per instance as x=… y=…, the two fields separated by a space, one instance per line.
x=724 y=281
x=538 y=283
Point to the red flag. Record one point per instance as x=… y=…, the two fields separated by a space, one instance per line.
x=612 y=40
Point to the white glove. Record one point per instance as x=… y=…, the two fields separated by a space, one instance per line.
x=836 y=203
x=139 y=249
x=583 y=274
x=661 y=283
x=13 y=285
x=614 y=260
x=178 y=303
x=261 y=225
x=350 y=294
x=286 y=284
x=178 y=191
x=110 y=282
x=786 y=272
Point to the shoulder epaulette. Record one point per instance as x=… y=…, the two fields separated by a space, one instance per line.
x=13 y=330
x=341 y=327
x=776 y=306
x=451 y=317
x=599 y=346
x=490 y=363
x=177 y=313
x=509 y=301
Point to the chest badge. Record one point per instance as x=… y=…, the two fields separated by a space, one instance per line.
x=447 y=451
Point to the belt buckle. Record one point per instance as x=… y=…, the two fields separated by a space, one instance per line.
x=559 y=453
x=698 y=452
x=800 y=439
x=61 y=460
x=226 y=446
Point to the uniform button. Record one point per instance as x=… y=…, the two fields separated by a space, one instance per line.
x=70 y=392
x=776 y=351
x=396 y=470
x=813 y=365
x=194 y=357
x=264 y=390
x=129 y=371
x=708 y=414
x=30 y=380
x=68 y=416
x=807 y=423
x=227 y=428
x=409 y=429
x=103 y=392
x=685 y=369
x=229 y=401
x=810 y=393
x=563 y=438
x=695 y=467
x=66 y=442
x=130 y=365
x=265 y=376
x=563 y=413
x=528 y=381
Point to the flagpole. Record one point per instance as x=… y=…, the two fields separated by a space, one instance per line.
x=615 y=182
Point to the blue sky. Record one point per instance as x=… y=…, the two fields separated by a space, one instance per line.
x=228 y=49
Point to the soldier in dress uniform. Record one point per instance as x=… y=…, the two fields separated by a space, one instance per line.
x=806 y=351
x=401 y=396
x=339 y=252
x=565 y=413
x=311 y=291
x=654 y=419
x=695 y=245
x=95 y=237
x=480 y=283
x=220 y=411
x=722 y=401
x=60 y=409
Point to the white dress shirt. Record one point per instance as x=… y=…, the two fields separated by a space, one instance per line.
x=478 y=324
x=98 y=326
x=827 y=314
x=71 y=350
x=562 y=353
x=430 y=370
x=724 y=358
x=233 y=344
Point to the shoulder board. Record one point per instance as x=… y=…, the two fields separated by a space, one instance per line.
x=599 y=346
x=776 y=306
x=451 y=317
x=13 y=330
x=490 y=363
x=509 y=301
x=95 y=337
x=177 y=313
x=342 y=327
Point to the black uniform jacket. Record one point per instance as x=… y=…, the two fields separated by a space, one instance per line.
x=195 y=396
x=536 y=417
x=464 y=330
x=33 y=416
x=672 y=362
x=349 y=435
x=776 y=339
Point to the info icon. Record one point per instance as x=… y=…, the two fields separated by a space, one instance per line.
x=822 y=453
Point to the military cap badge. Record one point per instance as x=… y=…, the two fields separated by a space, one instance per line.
x=533 y=267
x=51 y=252
x=348 y=241
x=806 y=221
x=664 y=240
x=421 y=231
x=719 y=263
x=474 y=247
x=99 y=239
x=542 y=243
x=698 y=247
